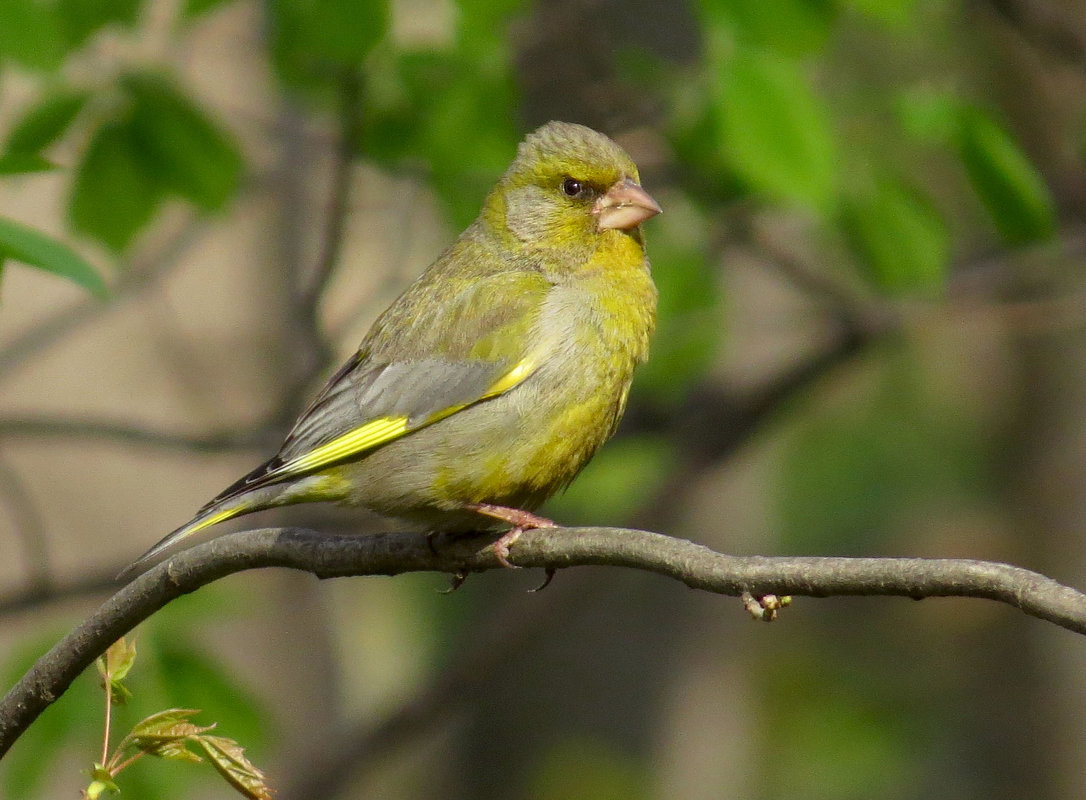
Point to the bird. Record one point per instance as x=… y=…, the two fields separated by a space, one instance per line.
x=490 y=382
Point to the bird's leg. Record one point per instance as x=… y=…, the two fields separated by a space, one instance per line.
x=521 y=521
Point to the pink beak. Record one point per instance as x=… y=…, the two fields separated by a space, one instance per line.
x=625 y=205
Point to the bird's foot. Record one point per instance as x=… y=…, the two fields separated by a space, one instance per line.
x=521 y=521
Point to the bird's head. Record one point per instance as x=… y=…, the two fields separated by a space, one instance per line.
x=568 y=186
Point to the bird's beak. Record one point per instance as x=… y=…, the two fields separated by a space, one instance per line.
x=625 y=205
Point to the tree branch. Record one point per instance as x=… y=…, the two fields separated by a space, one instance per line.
x=395 y=553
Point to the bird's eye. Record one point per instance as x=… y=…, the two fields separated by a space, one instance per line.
x=573 y=187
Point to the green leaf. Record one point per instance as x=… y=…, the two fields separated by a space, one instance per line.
x=46 y=121
x=895 y=13
x=166 y=734
x=318 y=39
x=788 y=27
x=186 y=151
x=482 y=26
x=81 y=19
x=1010 y=187
x=28 y=246
x=192 y=677
x=229 y=759
x=117 y=661
x=195 y=8
x=775 y=130
x=114 y=666
x=98 y=787
x=929 y=115
x=899 y=237
x=113 y=196
x=467 y=144
x=164 y=723
x=30 y=34
x=24 y=164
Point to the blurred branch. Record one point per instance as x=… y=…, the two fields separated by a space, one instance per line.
x=496 y=639
x=34 y=596
x=1044 y=26
x=137 y=277
x=61 y=428
x=28 y=526
x=840 y=300
x=556 y=548
x=313 y=349
x=339 y=199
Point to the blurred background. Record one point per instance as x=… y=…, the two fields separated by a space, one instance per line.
x=872 y=341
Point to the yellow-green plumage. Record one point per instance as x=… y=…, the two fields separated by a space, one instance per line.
x=500 y=371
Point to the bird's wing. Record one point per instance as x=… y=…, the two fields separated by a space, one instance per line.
x=473 y=345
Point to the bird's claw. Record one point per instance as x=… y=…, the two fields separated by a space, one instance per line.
x=455 y=582
x=546 y=580
x=431 y=537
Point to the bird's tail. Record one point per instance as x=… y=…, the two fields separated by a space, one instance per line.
x=218 y=510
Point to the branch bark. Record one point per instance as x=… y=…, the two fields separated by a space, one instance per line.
x=394 y=553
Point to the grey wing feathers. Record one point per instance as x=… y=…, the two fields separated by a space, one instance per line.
x=415 y=389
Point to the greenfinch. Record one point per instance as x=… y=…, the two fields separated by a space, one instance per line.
x=492 y=380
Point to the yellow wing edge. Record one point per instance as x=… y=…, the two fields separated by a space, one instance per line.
x=385 y=429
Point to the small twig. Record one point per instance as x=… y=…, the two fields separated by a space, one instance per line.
x=396 y=553
x=109 y=719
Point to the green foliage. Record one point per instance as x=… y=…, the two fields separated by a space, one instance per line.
x=317 y=41
x=788 y=27
x=23 y=244
x=195 y=8
x=829 y=744
x=849 y=474
x=437 y=108
x=81 y=19
x=775 y=130
x=24 y=164
x=47 y=120
x=179 y=146
x=113 y=197
x=170 y=667
x=616 y=482
x=1012 y=190
x=899 y=237
x=158 y=145
x=589 y=769
x=690 y=317
x=74 y=719
x=168 y=734
x=890 y=12
x=31 y=34
x=185 y=673
x=928 y=115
